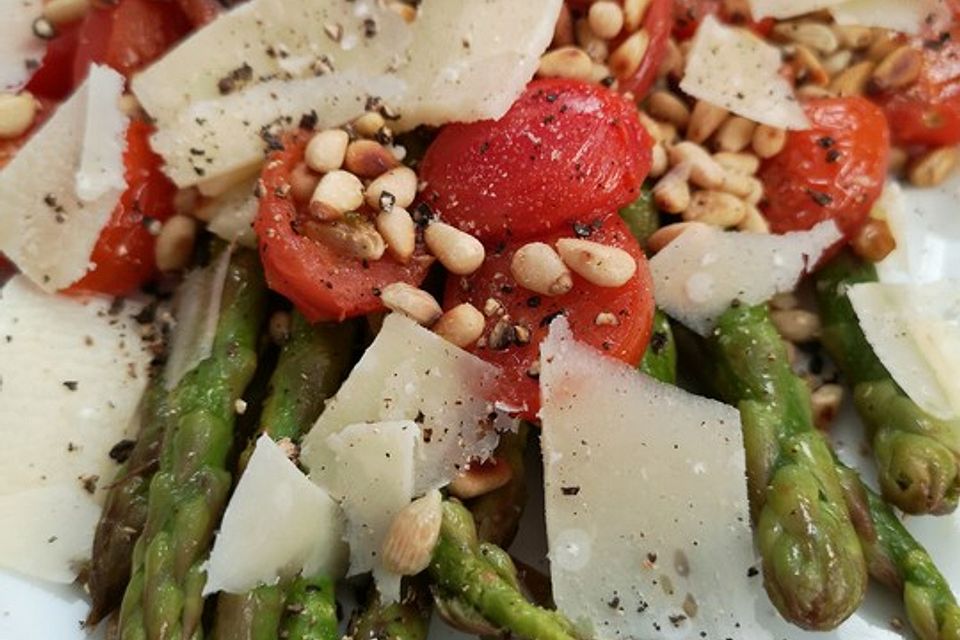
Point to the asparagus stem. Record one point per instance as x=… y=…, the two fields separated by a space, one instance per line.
x=497 y=513
x=188 y=493
x=917 y=455
x=311 y=611
x=405 y=620
x=642 y=216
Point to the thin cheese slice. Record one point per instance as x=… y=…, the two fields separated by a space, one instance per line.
x=907 y=16
x=374 y=480
x=231 y=214
x=698 y=275
x=788 y=8
x=915 y=331
x=277 y=524
x=20 y=50
x=46 y=226
x=646 y=502
x=734 y=69
x=410 y=373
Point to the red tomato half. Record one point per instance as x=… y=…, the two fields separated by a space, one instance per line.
x=689 y=13
x=54 y=78
x=631 y=304
x=566 y=149
x=323 y=284
x=124 y=254
x=200 y=12
x=835 y=170
x=657 y=23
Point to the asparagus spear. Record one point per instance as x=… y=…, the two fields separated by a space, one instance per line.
x=405 y=620
x=479 y=580
x=918 y=455
x=642 y=216
x=311 y=611
x=187 y=495
x=497 y=513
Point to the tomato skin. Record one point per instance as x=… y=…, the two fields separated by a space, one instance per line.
x=689 y=14
x=566 y=149
x=53 y=80
x=658 y=23
x=321 y=283
x=124 y=253
x=632 y=304
x=200 y=12
x=835 y=170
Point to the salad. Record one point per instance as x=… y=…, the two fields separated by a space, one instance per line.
x=301 y=299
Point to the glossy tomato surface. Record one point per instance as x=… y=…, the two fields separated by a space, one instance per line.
x=688 y=14
x=566 y=149
x=53 y=79
x=835 y=170
x=631 y=305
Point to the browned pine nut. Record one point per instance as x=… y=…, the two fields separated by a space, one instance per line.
x=326 y=150
x=61 y=12
x=625 y=59
x=368 y=159
x=742 y=186
x=745 y=163
x=768 y=141
x=353 y=237
x=399 y=232
x=796 y=325
x=853 y=80
x=837 y=62
x=537 y=267
x=597 y=48
x=665 y=105
x=933 y=167
x=705 y=120
x=808 y=67
x=899 y=69
x=337 y=193
x=406 y=11
x=457 y=250
x=633 y=13
x=815 y=35
x=175 y=243
x=853 y=36
x=884 y=43
x=715 y=208
x=280 y=326
x=396 y=187
x=598 y=264
x=303 y=182
x=17 y=112
x=825 y=402
x=563 y=30
x=416 y=304
x=665 y=235
x=368 y=125
x=672 y=191
x=659 y=162
x=784 y=301
x=481 y=478
x=704 y=170
x=753 y=221
x=463 y=325
x=874 y=241
x=605 y=18
x=898 y=160
x=413 y=533
x=673 y=61
x=566 y=62
x=735 y=134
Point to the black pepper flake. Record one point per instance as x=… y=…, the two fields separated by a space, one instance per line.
x=658 y=342
x=614 y=603
x=821 y=198
x=369 y=27
x=833 y=155
x=308 y=121
x=570 y=491
x=121 y=451
x=582 y=230
x=550 y=317
x=271 y=139
x=533 y=302
x=235 y=79
x=825 y=142
x=753 y=572
x=423 y=215
x=503 y=335
x=484 y=146
x=72 y=385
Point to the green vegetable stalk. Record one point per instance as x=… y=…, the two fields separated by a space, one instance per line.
x=642 y=216
x=405 y=620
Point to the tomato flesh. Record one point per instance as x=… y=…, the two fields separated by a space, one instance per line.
x=566 y=149
x=834 y=170
x=631 y=305
x=53 y=79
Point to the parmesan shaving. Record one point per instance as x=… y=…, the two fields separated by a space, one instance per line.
x=104 y=137
x=231 y=215
x=907 y=16
x=20 y=50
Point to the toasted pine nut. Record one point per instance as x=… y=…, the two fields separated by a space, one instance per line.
x=874 y=241
x=899 y=69
x=481 y=479
x=932 y=168
x=853 y=80
x=672 y=191
x=660 y=131
x=17 y=112
x=663 y=236
x=704 y=170
x=838 y=61
x=813 y=91
x=175 y=243
x=825 y=402
x=659 y=161
x=735 y=134
x=596 y=48
x=633 y=13
x=280 y=326
x=742 y=186
x=326 y=150
x=60 y=12
x=399 y=232
x=463 y=325
x=754 y=222
x=815 y=35
x=406 y=11
x=796 y=325
x=368 y=159
x=715 y=208
x=600 y=73
x=368 y=124
x=337 y=193
x=673 y=61
x=784 y=301
x=665 y=105
x=768 y=141
x=537 y=267
x=625 y=59
x=416 y=304
x=563 y=30
x=457 y=250
x=605 y=18
x=303 y=182
x=884 y=43
x=355 y=237
x=566 y=62
x=808 y=67
x=598 y=264
x=854 y=37
x=898 y=160
x=130 y=106
x=396 y=187
x=745 y=163
x=705 y=120
x=413 y=533
x=755 y=195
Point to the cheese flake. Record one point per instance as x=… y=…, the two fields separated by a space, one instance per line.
x=20 y=50
x=231 y=214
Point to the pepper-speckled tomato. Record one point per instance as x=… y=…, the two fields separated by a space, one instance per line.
x=834 y=170
x=566 y=149
x=624 y=337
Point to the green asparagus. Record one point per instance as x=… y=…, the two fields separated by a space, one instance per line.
x=917 y=455
x=642 y=216
x=405 y=620
x=311 y=611
x=187 y=495
x=497 y=513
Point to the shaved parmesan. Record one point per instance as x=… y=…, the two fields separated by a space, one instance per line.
x=47 y=227
x=734 y=69
x=788 y=8
x=698 y=275
x=20 y=50
x=383 y=456
x=907 y=16
x=71 y=377
x=915 y=331
x=196 y=310
x=647 y=518
x=231 y=215
x=411 y=373
x=277 y=524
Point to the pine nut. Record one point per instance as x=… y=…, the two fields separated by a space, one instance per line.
x=566 y=62
x=130 y=106
x=784 y=301
x=705 y=120
x=899 y=69
x=898 y=160
x=326 y=150
x=463 y=325
x=756 y=190
x=481 y=479
x=813 y=92
x=768 y=141
x=754 y=222
x=458 y=251
x=303 y=182
x=175 y=242
x=659 y=161
x=665 y=105
x=598 y=264
x=61 y=12
x=368 y=159
x=673 y=62
x=808 y=67
x=606 y=319
x=596 y=48
x=659 y=131
x=704 y=170
x=563 y=30
x=812 y=34
x=626 y=59
x=796 y=325
x=745 y=163
x=740 y=185
x=853 y=37
x=884 y=43
x=837 y=62
x=17 y=112
x=634 y=12
x=406 y=11
x=279 y=326
x=337 y=193
x=368 y=124
x=932 y=168
x=874 y=241
x=396 y=187
x=663 y=236
x=399 y=232
x=600 y=73
x=605 y=18
x=735 y=134
x=412 y=536
x=354 y=237
x=715 y=208
x=825 y=402
x=537 y=267
x=852 y=81
x=672 y=191
x=416 y=304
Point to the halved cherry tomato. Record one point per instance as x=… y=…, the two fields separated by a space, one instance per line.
x=566 y=149
x=200 y=12
x=625 y=338
x=657 y=24
x=834 y=170
x=54 y=78
x=689 y=13
x=323 y=284
x=124 y=253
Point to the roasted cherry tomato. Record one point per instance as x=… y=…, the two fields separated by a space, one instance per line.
x=323 y=284
x=53 y=80
x=124 y=253
x=657 y=24
x=621 y=332
x=566 y=149
x=200 y=12
x=689 y=14
x=834 y=170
